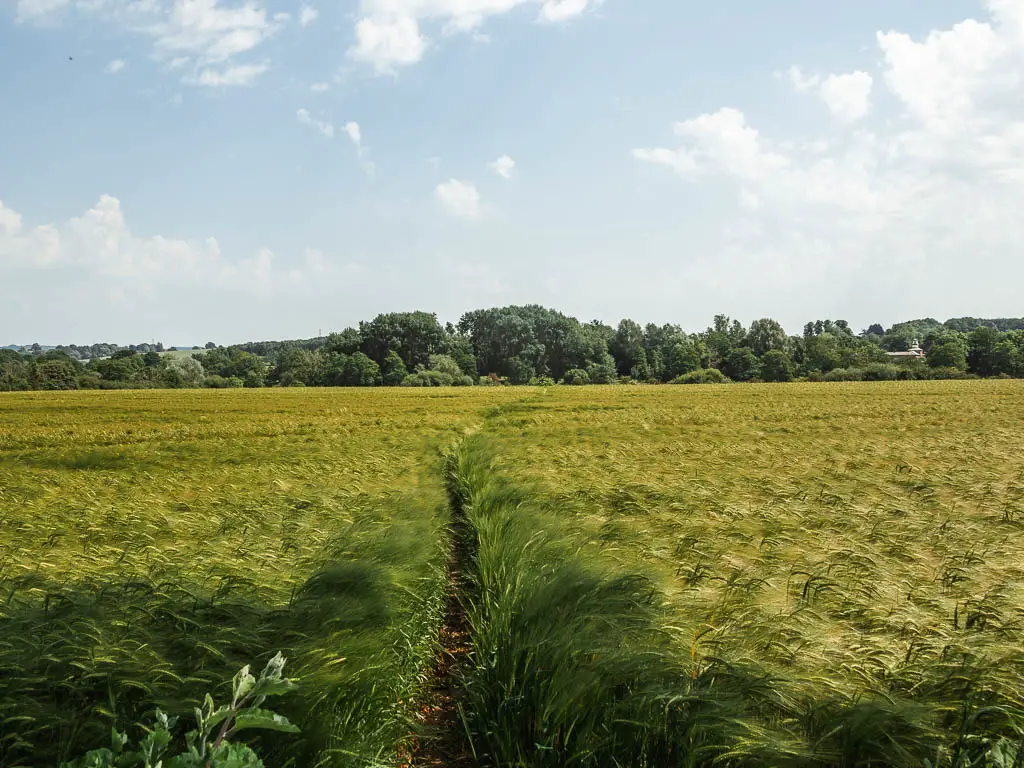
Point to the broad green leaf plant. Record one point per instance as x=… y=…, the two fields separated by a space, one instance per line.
x=209 y=745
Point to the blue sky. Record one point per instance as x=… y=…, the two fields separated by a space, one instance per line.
x=210 y=169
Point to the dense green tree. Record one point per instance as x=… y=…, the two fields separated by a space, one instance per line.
x=184 y=372
x=721 y=339
x=361 y=371
x=981 y=350
x=121 y=366
x=393 y=370
x=742 y=365
x=300 y=366
x=236 y=362
x=332 y=372
x=14 y=373
x=602 y=371
x=521 y=342
x=1001 y=324
x=776 y=366
x=576 y=377
x=415 y=336
x=626 y=346
x=641 y=371
x=347 y=342
x=54 y=373
x=766 y=335
x=460 y=349
x=821 y=352
x=682 y=357
x=1009 y=355
x=445 y=364
x=946 y=349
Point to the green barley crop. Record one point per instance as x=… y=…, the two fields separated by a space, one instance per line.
x=859 y=545
x=152 y=542
x=791 y=575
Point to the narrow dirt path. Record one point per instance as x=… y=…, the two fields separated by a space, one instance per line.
x=443 y=741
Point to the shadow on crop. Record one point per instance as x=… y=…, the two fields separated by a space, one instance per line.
x=77 y=659
x=574 y=665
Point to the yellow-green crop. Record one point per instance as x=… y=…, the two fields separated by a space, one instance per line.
x=152 y=542
x=853 y=543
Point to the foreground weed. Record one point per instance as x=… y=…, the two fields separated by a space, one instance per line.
x=210 y=745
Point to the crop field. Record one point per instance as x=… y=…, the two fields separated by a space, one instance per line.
x=153 y=542
x=805 y=575
x=856 y=549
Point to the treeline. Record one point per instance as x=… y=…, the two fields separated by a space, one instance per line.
x=90 y=351
x=539 y=346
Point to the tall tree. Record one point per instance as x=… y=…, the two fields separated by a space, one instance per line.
x=766 y=335
x=414 y=336
x=626 y=346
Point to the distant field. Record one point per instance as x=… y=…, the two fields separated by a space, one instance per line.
x=182 y=352
x=808 y=575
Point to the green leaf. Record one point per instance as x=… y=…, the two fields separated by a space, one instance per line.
x=263 y=719
x=242 y=684
x=216 y=718
x=98 y=758
x=275 y=668
x=275 y=687
x=117 y=741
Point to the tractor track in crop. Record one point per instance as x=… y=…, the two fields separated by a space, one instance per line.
x=442 y=739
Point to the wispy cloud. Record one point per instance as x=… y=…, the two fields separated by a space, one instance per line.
x=307 y=15
x=242 y=74
x=504 y=166
x=323 y=127
x=459 y=198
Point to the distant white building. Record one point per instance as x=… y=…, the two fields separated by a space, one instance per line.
x=915 y=351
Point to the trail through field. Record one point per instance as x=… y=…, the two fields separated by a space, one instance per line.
x=442 y=741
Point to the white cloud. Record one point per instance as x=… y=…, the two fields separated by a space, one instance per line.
x=200 y=33
x=37 y=247
x=388 y=33
x=848 y=96
x=562 y=10
x=323 y=127
x=801 y=81
x=719 y=141
x=355 y=134
x=242 y=74
x=504 y=166
x=874 y=209
x=459 y=198
x=307 y=15
x=115 y=66
x=387 y=42
x=99 y=242
x=320 y=87
x=33 y=10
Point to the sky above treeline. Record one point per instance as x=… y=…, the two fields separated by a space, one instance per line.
x=186 y=170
